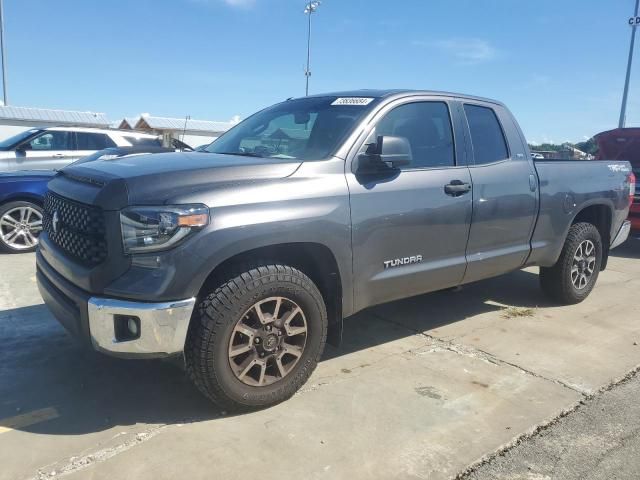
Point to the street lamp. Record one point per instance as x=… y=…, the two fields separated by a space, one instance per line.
x=309 y=10
x=634 y=21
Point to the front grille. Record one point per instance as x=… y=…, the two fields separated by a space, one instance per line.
x=79 y=229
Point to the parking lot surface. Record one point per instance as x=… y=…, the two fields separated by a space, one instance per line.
x=421 y=388
x=599 y=440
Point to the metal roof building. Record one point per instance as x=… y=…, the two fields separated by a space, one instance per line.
x=16 y=119
x=180 y=124
x=192 y=132
x=58 y=117
x=127 y=123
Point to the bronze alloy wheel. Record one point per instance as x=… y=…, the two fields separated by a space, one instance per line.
x=267 y=341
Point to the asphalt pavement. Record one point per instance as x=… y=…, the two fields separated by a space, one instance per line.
x=600 y=439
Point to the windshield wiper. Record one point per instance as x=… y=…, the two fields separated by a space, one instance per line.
x=242 y=154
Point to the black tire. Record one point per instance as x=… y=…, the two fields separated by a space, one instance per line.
x=21 y=245
x=212 y=325
x=557 y=282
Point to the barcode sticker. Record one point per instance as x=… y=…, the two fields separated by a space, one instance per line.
x=352 y=101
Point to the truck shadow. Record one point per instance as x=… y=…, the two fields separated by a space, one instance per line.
x=42 y=367
x=426 y=313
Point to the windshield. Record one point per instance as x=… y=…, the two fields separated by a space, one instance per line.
x=16 y=139
x=303 y=129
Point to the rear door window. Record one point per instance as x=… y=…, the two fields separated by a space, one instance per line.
x=93 y=141
x=487 y=137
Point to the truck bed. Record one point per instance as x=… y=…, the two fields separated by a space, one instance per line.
x=566 y=187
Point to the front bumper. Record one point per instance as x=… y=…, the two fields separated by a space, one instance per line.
x=622 y=235
x=162 y=327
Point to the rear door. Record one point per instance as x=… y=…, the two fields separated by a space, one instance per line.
x=408 y=234
x=90 y=142
x=505 y=196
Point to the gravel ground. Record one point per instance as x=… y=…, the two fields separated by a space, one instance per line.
x=599 y=440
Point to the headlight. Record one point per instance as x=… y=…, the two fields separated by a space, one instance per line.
x=149 y=229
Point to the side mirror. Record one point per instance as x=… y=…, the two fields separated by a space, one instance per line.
x=387 y=152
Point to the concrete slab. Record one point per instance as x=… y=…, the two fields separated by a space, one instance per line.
x=421 y=388
x=419 y=414
x=584 y=346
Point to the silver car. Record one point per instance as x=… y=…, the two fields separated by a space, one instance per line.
x=56 y=147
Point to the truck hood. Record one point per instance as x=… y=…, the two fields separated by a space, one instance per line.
x=160 y=178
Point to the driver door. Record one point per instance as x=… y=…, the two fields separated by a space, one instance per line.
x=408 y=234
x=50 y=150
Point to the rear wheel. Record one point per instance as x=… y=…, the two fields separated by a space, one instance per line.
x=256 y=339
x=20 y=226
x=575 y=273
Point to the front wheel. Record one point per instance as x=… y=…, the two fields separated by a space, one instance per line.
x=575 y=273
x=20 y=226
x=256 y=339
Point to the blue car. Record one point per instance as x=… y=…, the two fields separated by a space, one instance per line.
x=22 y=196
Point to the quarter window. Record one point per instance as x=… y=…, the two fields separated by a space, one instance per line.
x=144 y=141
x=427 y=127
x=487 y=137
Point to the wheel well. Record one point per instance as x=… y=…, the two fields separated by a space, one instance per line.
x=23 y=198
x=313 y=259
x=600 y=217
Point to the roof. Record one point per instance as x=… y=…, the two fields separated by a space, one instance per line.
x=108 y=131
x=179 y=124
x=29 y=114
x=619 y=132
x=376 y=93
x=619 y=144
x=127 y=123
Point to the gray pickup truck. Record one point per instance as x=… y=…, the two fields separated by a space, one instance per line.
x=246 y=257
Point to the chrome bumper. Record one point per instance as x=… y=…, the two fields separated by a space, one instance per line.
x=622 y=235
x=162 y=327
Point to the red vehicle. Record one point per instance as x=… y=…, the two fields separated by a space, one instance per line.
x=624 y=144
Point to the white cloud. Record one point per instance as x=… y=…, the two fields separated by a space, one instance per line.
x=467 y=51
x=231 y=3
x=240 y=3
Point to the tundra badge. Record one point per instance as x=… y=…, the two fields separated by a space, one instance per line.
x=396 y=262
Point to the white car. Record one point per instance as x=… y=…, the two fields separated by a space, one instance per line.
x=537 y=156
x=55 y=147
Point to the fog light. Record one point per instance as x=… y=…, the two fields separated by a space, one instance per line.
x=126 y=327
x=133 y=327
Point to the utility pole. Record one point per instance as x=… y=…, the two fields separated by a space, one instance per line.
x=184 y=130
x=309 y=10
x=4 y=58
x=634 y=22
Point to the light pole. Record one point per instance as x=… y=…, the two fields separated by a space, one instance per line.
x=634 y=26
x=309 y=10
x=4 y=73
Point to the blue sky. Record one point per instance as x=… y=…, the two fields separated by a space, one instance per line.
x=558 y=64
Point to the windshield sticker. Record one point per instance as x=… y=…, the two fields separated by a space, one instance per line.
x=352 y=101
x=618 y=168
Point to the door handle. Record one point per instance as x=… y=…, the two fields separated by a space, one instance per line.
x=456 y=188
x=58 y=155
